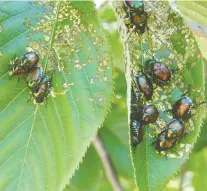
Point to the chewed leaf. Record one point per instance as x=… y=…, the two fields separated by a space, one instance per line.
x=41 y=146
x=166 y=39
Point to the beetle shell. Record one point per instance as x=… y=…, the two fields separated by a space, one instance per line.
x=163 y=144
x=139 y=21
x=137 y=133
x=182 y=107
x=34 y=77
x=145 y=85
x=149 y=114
x=161 y=72
x=158 y=70
x=175 y=129
x=30 y=59
x=42 y=90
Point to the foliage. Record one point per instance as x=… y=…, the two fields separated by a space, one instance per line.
x=166 y=42
x=41 y=146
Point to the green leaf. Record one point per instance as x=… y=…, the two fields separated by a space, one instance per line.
x=106 y=13
x=202 y=141
x=170 y=41
x=195 y=13
x=88 y=176
x=117 y=47
x=114 y=135
x=194 y=10
x=42 y=146
x=198 y=166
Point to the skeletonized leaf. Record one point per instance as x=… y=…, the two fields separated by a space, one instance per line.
x=170 y=41
x=40 y=147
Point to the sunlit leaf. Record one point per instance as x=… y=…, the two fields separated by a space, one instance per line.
x=194 y=10
x=88 y=176
x=168 y=40
x=198 y=166
x=40 y=147
x=195 y=13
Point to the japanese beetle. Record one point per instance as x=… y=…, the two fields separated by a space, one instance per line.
x=30 y=59
x=145 y=85
x=137 y=133
x=34 y=77
x=138 y=15
x=175 y=129
x=158 y=71
x=39 y=84
x=139 y=21
x=181 y=109
x=42 y=90
x=164 y=144
x=135 y=124
x=149 y=114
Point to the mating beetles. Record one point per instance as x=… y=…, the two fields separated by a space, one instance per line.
x=42 y=90
x=175 y=129
x=162 y=143
x=39 y=84
x=145 y=85
x=158 y=71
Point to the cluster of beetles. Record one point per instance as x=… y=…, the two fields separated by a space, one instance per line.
x=154 y=72
x=37 y=81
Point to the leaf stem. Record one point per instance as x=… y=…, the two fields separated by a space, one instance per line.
x=109 y=169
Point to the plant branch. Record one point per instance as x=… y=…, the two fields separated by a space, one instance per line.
x=109 y=169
